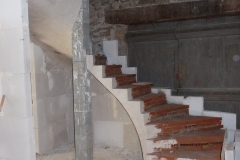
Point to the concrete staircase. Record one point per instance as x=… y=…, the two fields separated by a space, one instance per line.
x=166 y=129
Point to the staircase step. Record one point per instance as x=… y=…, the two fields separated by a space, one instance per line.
x=152 y=100
x=167 y=110
x=125 y=79
x=191 y=155
x=138 y=89
x=203 y=140
x=100 y=60
x=185 y=124
x=111 y=70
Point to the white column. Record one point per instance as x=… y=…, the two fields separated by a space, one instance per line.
x=16 y=121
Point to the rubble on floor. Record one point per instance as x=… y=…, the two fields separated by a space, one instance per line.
x=66 y=152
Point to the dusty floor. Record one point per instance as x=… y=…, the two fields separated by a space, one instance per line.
x=66 y=152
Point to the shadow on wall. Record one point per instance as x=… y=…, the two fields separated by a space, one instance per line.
x=112 y=125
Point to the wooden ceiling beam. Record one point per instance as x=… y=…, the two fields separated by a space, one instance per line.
x=173 y=12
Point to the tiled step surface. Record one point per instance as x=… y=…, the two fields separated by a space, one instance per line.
x=152 y=100
x=112 y=70
x=203 y=140
x=138 y=89
x=185 y=124
x=125 y=79
x=191 y=155
x=166 y=111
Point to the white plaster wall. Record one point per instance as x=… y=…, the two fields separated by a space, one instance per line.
x=112 y=125
x=52 y=99
x=51 y=23
x=16 y=121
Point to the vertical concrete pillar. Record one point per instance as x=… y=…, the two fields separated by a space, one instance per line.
x=81 y=84
x=16 y=121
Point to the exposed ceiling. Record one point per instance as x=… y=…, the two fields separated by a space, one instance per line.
x=51 y=23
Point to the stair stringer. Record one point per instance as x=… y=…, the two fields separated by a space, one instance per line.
x=133 y=108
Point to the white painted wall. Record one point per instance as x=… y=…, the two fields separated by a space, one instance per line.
x=51 y=76
x=16 y=121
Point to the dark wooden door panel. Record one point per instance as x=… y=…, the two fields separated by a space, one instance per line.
x=155 y=62
x=209 y=62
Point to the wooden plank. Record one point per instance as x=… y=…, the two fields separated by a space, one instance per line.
x=2 y=102
x=173 y=12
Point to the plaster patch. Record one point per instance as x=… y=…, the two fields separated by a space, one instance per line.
x=165 y=144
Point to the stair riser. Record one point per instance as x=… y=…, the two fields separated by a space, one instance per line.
x=125 y=80
x=100 y=60
x=140 y=92
x=151 y=103
x=112 y=71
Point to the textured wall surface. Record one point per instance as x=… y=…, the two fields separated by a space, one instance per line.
x=112 y=125
x=52 y=99
x=51 y=23
x=16 y=120
x=99 y=29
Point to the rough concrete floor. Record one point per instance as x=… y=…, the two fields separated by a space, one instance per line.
x=66 y=152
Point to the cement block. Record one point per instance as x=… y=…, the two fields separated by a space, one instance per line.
x=108 y=133
x=229 y=151
x=110 y=48
x=237 y=151
x=115 y=133
x=131 y=139
x=17 y=88
x=195 y=105
x=17 y=138
x=237 y=135
x=14 y=59
x=228 y=119
x=175 y=99
x=16 y=19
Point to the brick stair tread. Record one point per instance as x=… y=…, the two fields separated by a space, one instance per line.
x=184 y=120
x=216 y=135
x=121 y=75
x=196 y=155
x=132 y=86
x=113 y=66
x=166 y=107
x=149 y=96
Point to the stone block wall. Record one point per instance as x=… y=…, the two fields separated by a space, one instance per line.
x=52 y=95
x=100 y=30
